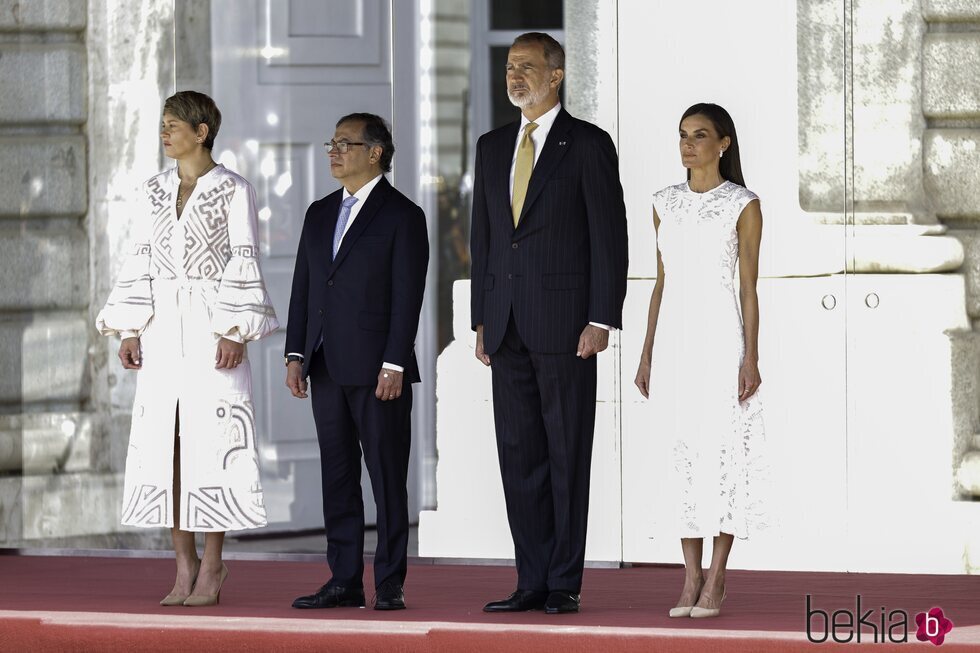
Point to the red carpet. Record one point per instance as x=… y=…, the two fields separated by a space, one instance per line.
x=110 y=604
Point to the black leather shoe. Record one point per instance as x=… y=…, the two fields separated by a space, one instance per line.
x=389 y=597
x=332 y=596
x=519 y=601
x=561 y=602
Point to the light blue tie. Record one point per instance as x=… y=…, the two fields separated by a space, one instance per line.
x=338 y=232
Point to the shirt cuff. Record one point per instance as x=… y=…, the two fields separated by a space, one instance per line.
x=603 y=326
x=292 y=353
x=128 y=334
x=393 y=367
x=234 y=336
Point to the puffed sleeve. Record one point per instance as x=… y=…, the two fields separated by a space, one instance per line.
x=243 y=311
x=130 y=304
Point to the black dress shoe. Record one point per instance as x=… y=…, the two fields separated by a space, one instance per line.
x=561 y=602
x=519 y=601
x=389 y=597
x=332 y=596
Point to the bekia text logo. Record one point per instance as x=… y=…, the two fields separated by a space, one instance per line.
x=877 y=625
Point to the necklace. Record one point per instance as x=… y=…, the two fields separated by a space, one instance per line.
x=180 y=186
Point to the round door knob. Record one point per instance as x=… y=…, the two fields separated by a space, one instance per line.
x=872 y=300
x=829 y=302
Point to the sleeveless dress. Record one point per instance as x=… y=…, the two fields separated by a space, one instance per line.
x=717 y=469
x=187 y=283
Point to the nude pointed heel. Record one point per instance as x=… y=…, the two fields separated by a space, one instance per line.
x=705 y=613
x=684 y=611
x=204 y=600
x=178 y=599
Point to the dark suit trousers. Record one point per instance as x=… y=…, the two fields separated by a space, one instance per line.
x=349 y=419
x=544 y=414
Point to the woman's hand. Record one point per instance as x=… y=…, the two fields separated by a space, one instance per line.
x=229 y=354
x=129 y=353
x=642 y=379
x=748 y=379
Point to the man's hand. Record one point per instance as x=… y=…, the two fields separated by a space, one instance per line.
x=229 y=354
x=593 y=340
x=294 y=379
x=389 y=384
x=481 y=355
x=129 y=353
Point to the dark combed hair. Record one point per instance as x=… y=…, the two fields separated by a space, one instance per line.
x=730 y=166
x=554 y=54
x=195 y=108
x=375 y=132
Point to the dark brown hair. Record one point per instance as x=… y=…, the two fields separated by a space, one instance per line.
x=375 y=133
x=730 y=166
x=195 y=108
x=554 y=54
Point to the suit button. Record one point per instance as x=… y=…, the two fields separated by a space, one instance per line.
x=513 y=246
x=510 y=276
x=330 y=283
x=321 y=311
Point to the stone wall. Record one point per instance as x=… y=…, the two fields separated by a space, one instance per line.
x=951 y=159
x=44 y=426
x=83 y=86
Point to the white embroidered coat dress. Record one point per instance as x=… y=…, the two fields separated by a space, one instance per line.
x=717 y=470
x=186 y=283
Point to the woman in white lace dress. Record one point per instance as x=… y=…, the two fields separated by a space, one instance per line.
x=699 y=363
x=189 y=297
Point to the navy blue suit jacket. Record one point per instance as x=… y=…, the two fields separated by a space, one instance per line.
x=565 y=264
x=367 y=301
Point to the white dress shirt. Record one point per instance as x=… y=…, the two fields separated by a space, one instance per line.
x=538 y=137
x=361 y=195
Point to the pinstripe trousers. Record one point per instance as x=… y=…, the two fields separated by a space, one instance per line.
x=544 y=415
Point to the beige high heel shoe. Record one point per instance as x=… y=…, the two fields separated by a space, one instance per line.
x=204 y=600
x=704 y=613
x=684 y=610
x=178 y=599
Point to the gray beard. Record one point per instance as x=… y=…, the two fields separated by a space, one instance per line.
x=529 y=99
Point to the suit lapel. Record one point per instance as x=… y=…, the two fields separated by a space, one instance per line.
x=554 y=150
x=503 y=159
x=374 y=201
x=331 y=211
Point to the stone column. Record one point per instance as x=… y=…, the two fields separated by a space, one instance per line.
x=44 y=248
x=951 y=158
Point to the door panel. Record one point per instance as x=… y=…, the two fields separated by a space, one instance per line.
x=283 y=73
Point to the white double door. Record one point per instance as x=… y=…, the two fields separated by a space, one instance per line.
x=283 y=72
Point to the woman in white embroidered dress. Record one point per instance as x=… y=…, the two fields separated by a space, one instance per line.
x=189 y=297
x=705 y=365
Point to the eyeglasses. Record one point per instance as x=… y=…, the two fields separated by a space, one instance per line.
x=341 y=148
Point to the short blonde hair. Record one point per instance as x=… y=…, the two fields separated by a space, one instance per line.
x=195 y=108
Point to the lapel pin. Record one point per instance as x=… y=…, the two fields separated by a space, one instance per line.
x=562 y=142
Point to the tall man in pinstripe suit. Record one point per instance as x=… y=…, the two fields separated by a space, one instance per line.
x=549 y=279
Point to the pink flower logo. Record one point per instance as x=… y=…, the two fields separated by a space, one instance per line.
x=932 y=626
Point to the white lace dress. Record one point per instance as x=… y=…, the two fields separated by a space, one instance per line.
x=717 y=472
x=187 y=283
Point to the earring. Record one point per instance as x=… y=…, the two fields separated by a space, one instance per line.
x=200 y=140
x=721 y=154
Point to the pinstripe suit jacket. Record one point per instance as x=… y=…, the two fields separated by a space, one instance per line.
x=565 y=264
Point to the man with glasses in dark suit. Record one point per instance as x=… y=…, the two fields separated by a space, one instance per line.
x=353 y=315
x=548 y=241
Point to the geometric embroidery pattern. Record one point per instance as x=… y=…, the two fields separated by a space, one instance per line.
x=218 y=509
x=207 y=248
x=146 y=506
x=163 y=230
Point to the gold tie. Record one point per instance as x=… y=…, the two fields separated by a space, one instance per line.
x=522 y=170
